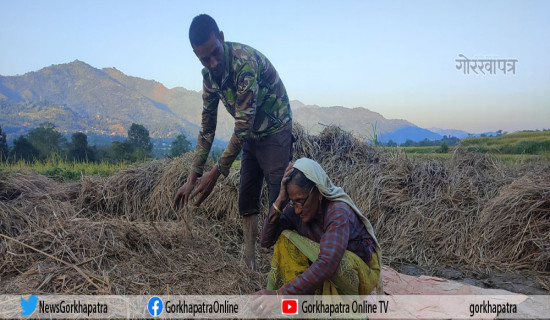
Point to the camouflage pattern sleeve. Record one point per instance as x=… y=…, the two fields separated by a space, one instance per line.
x=245 y=112
x=205 y=139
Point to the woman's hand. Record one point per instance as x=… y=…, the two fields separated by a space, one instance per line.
x=265 y=302
x=283 y=195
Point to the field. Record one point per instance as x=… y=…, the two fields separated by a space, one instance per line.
x=61 y=170
x=527 y=142
x=117 y=234
x=512 y=148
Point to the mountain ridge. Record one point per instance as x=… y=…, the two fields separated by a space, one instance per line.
x=78 y=96
x=95 y=97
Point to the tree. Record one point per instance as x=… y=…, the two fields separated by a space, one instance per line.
x=391 y=143
x=122 y=150
x=78 y=148
x=424 y=143
x=3 y=146
x=139 y=137
x=23 y=150
x=46 y=140
x=140 y=142
x=180 y=146
x=444 y=148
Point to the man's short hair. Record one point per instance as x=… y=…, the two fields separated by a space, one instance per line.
x=202 y=27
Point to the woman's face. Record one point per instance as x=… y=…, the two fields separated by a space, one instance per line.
x=305 y=202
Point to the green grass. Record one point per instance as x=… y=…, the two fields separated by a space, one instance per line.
x=424 y=150
x=236 y=165
x=513 y=148
x=504 y=158
x=522 y=158
x=61 y=170
x=526 y=142
x=517 y=143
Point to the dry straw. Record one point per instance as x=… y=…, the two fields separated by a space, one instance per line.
x=119 y=234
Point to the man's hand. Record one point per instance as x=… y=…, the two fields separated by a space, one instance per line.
x=183 y=194
x=206 y=185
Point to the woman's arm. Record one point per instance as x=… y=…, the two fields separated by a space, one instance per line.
x=276 y=221
x=333 y=245
x=274 y=224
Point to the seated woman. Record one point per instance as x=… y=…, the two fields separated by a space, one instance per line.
x=323 y=243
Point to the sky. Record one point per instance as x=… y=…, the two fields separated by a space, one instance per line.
x=396 y=58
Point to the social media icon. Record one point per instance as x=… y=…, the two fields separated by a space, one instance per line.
x=289 y=306
x=155 y=306
x=28 y=306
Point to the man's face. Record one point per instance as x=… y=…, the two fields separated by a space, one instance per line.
x=212 y=55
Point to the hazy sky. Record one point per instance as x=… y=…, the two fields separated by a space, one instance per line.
x=393 y=57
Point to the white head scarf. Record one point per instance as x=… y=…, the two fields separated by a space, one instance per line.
x=313 y=171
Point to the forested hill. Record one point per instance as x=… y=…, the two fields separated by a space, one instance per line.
x=78 y=97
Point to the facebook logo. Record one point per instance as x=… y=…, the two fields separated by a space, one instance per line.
x=155 y=306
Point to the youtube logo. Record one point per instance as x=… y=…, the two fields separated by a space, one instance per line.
x=289 y=306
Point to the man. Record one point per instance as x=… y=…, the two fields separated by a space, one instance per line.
x=252 y=92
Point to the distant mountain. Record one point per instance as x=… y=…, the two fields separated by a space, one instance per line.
x=92 y=99
x=187 y=104
x=487 y=133
x=461 y=134
x=413 y=133
x=450 y=132
x=78 y=97
x=360 y=121
x=296 y=104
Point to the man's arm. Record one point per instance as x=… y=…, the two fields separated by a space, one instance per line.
x=209 y=121
x=204 y=144
x=245 y=113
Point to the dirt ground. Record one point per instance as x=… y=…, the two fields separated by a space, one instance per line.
x=530 y=284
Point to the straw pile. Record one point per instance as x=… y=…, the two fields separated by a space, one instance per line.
x=119 y=235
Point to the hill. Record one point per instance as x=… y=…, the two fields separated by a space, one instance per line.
x=451 y=132
x=463 y=134
x=186 y=104
x=78 y=97
x=413 y=133
x=360 y=121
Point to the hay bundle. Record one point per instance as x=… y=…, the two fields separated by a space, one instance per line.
x=476 y=176
x=114 y=256
x=140 y=192
x=30 y=200
x=514 y=228
x=335 y=149
x=428 y=182
x=222 y=203
x=16 y=185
